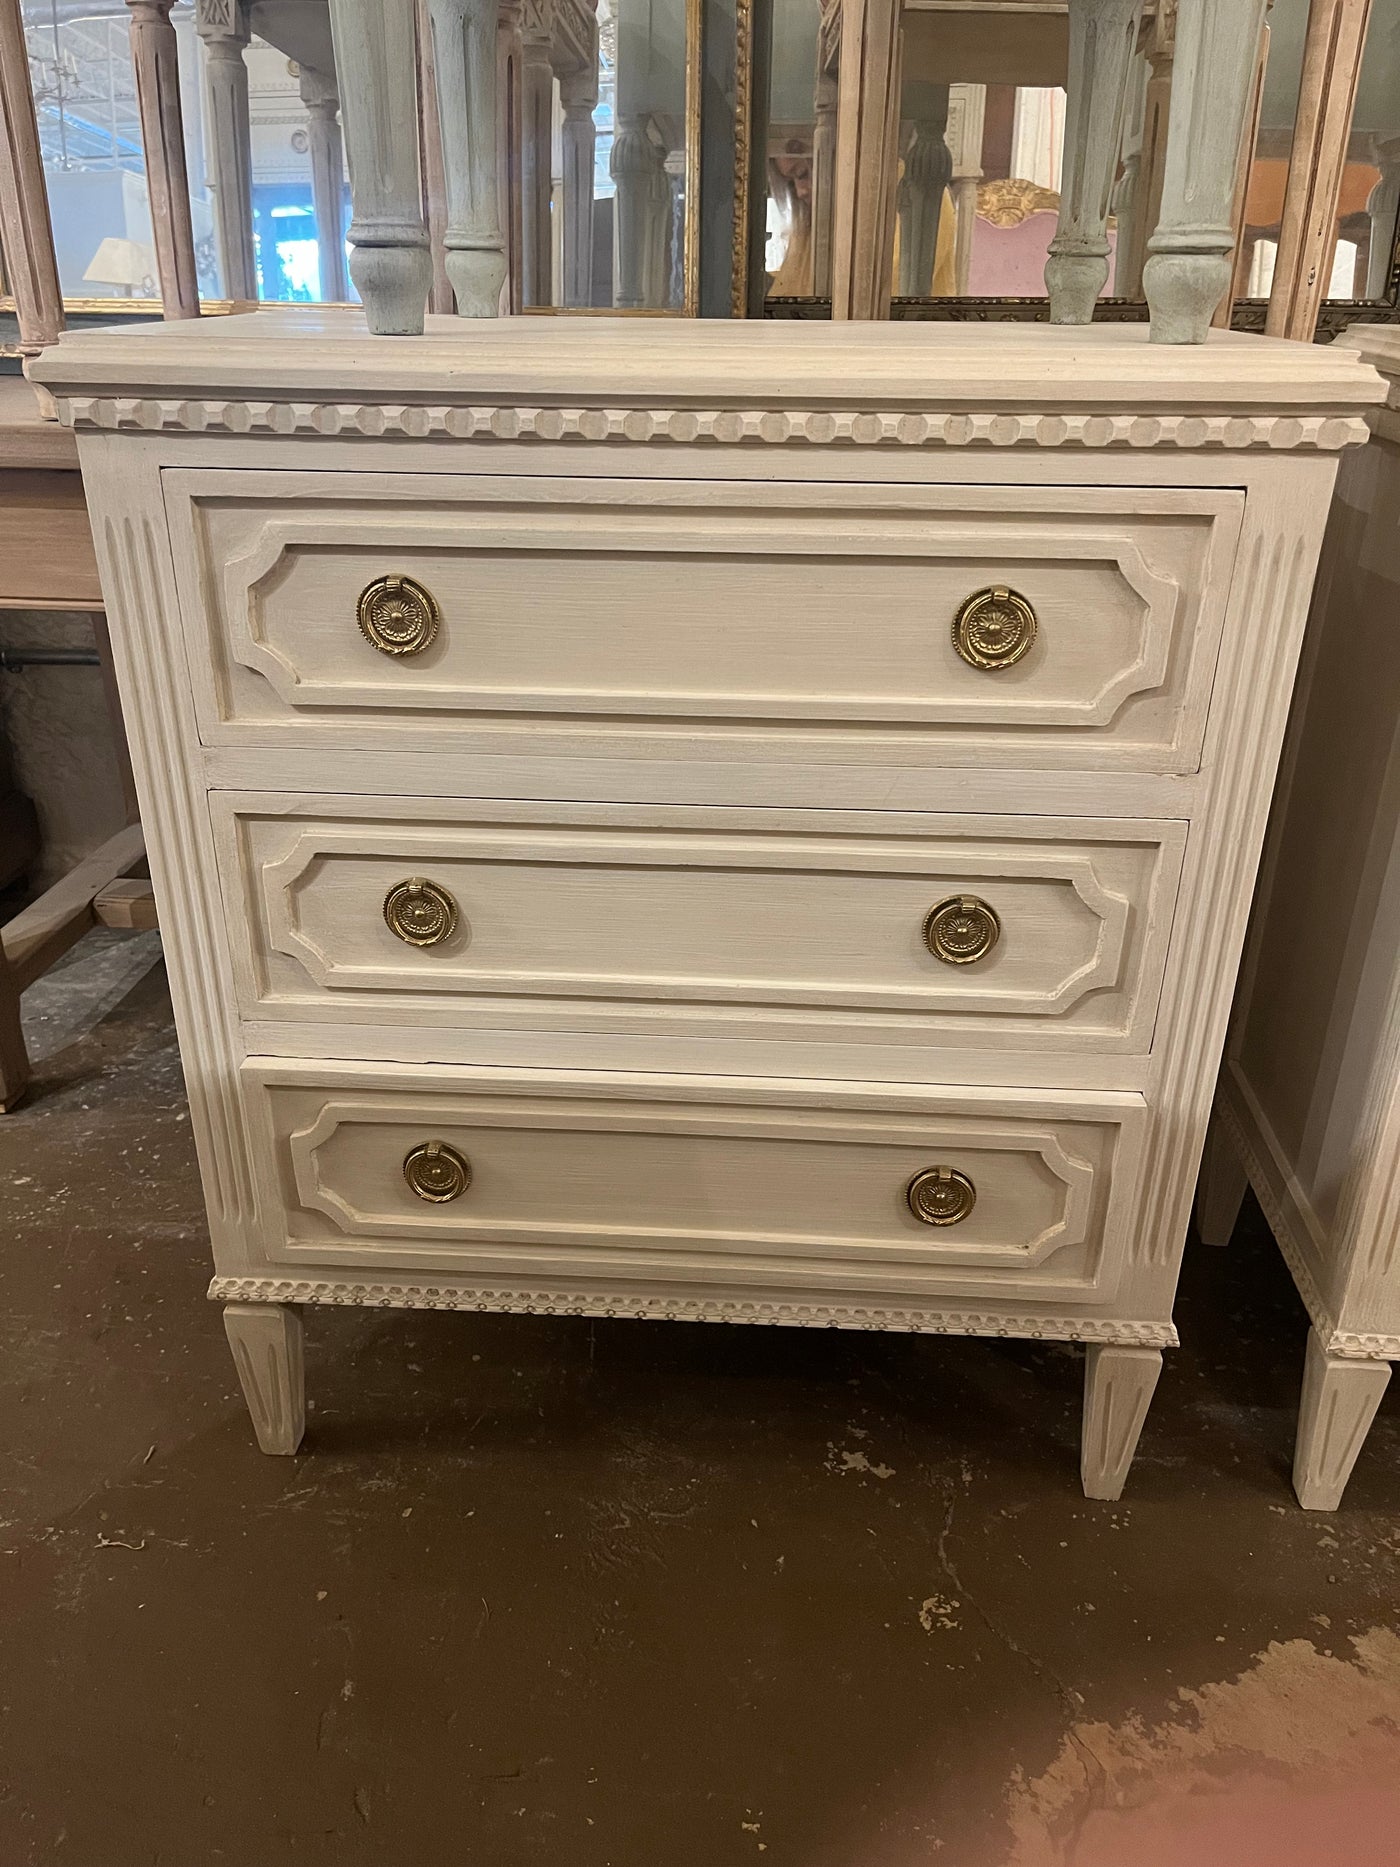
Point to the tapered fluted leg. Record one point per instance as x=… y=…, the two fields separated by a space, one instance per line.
x=266 y=1339
x=1339 y=1402
x=1118 y=1385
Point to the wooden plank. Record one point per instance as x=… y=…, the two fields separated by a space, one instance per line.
x=127 y=902
x=47 y=559
x=46 y=929
x=1331 y=66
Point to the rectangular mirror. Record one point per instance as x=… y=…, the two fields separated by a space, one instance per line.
x=980 y=146
x=1360 y=255
x=609 y=162
x=268 y=201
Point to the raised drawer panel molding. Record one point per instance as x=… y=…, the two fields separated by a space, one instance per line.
x=707 y=820
x=639 y=611
x=807 y=1188
x=715 y=922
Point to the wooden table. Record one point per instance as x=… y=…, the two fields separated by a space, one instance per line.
x=47 y=561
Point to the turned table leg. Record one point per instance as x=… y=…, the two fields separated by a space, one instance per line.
x=1340 y=1397
x=1189 y=268
x=1102 y=34
x=266 y=1339
x=1118 y=1384
x=464 y=46
x=376 y=70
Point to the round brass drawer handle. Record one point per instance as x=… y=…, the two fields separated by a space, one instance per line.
x=940 y=1196
x=962 y=930
x=436 y=1172
x=398 y=615
x=994 y=628
x=420 y=913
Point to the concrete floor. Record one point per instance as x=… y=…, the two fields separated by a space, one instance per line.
x=640 y=1595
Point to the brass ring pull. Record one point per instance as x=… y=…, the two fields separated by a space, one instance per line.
x=962 y=930
x=436 y=1172
x=420 y=913
x=398 y=615
x=940 y=1196
x=994 y=628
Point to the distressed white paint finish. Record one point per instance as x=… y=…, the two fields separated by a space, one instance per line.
x=1118 y=1387
x=1309 y=1098
x=719 y=614
x=772 y=377
x=740 y=1184
x=266 y=1340
x=721 y=923
x=729 y=1168
x=376 y=71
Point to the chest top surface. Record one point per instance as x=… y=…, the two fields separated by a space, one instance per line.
x=317 y=370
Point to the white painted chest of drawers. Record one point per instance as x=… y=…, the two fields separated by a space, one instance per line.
x=732 y=821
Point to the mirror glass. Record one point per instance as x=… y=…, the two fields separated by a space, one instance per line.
x=90 y=134
x=801 y=152
x=1363 y=241
x=982 y=124
x=982 y=129
x=605 y=193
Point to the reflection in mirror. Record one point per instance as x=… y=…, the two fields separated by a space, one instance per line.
x=982 y=142
x=982 y=111
x=608 y=155
x=268 y=200
x=801 y=149
x=1364 y=235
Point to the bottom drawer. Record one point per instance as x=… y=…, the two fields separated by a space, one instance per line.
x=641 y=1181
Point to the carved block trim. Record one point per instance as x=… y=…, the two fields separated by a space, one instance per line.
x=724 y=426
x=545 y=1301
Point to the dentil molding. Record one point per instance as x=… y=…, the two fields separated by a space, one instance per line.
x=725 y=426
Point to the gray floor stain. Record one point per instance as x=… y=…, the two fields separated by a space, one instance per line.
x=586 y=1594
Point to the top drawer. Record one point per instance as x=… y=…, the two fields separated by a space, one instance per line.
x=722 y=618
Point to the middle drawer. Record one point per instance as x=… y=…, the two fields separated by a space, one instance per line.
x=971 y=931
